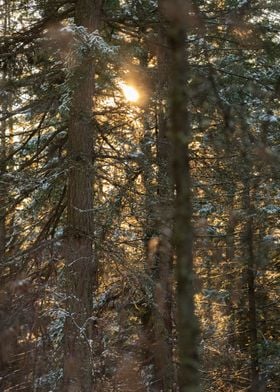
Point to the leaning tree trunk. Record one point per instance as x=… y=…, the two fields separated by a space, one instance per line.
x=187 y=326
x=80 y=269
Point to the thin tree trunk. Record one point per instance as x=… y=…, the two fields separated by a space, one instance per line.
x=229 y=268
x=3 y=190
x=165 y=199
x=163 y=288
x=250 y=272
x=157 y=320
x=187 y=326
x=5 y=124
x=158 y=228
x=81 y=269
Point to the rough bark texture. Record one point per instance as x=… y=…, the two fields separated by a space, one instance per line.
x=187 y=325
x=80 y=270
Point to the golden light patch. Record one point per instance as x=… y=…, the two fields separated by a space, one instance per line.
x=130 y=93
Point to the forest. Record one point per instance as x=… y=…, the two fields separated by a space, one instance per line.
x=139 y=195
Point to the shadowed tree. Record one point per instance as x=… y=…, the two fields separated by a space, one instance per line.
x=179 y=134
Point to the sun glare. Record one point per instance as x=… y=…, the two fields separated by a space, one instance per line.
x=130 y=93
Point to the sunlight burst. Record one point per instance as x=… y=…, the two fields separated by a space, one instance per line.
x=130 y=93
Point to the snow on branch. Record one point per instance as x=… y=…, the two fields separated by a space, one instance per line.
x=86 y=43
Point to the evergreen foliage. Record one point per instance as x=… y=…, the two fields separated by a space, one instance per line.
x=187 y=173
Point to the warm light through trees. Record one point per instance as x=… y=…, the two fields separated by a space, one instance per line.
x=139 y=196
x=130 y=93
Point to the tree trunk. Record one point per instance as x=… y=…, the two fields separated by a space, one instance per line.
x=165 y=197
x=187 y=326
x=3 y=190
x=229 y=268
x=250 y=272
x=81 y=269
x=158 y=228
x=157 y=320
x=3 y=147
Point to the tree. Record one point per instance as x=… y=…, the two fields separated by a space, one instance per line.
x=94 y=183
x=187 y=326
x=81 y=269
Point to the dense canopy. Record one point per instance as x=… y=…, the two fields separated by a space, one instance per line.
x=139 y=195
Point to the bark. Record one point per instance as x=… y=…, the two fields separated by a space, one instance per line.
x=80 y=268
x=165 y=196
x=3 y=190
x=3 y=147
x=250 y=266
x=158 y=227
x=159 y=255
x=250 y=277
x=229 y=269
x=187 y=326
